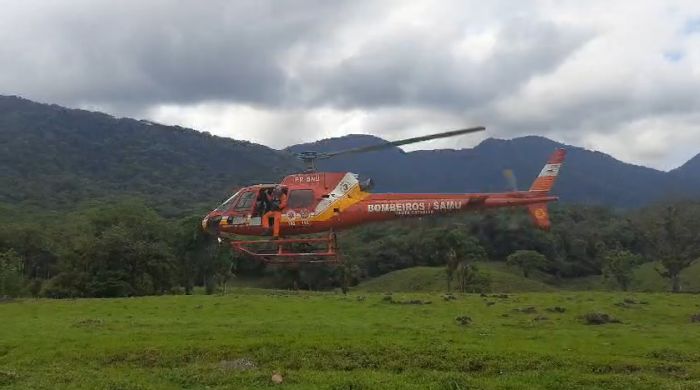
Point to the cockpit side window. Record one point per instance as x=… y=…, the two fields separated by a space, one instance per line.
x=246 y=202
x=229 y=202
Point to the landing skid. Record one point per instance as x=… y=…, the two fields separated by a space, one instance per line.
x=291 y=251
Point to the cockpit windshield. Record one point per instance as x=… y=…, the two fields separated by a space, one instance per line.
x=229 y=202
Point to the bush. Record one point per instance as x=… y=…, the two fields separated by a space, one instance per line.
x=109 y=287
x=471 y=279
x=65 y=285
x=10 y=275
x=34 y=287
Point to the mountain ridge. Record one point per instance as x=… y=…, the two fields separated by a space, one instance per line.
x=587 y=177
x=52 y=157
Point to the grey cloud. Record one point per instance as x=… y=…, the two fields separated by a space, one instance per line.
x=414 y=70
x=128 y=54
x=135 y=53
x=407 y=69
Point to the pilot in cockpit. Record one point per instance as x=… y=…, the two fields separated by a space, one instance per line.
x=263 y=203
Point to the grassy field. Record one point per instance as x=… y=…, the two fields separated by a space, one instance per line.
x=358 y=341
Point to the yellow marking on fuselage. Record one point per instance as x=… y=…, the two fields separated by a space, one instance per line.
x=350 y=198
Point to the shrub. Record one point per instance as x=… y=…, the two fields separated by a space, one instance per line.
x=65 y=285
x=471 y=279
x=10 y=275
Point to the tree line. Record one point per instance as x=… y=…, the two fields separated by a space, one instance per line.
x=583 y=241
x=126 y=248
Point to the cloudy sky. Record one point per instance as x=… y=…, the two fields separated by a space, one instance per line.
x=620 y=77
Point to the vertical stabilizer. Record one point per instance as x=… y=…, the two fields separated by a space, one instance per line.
x=543 y=184
x=545 y=181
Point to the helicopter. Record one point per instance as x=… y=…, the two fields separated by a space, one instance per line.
x=280 y=231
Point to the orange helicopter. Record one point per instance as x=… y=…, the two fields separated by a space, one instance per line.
x=326 y=202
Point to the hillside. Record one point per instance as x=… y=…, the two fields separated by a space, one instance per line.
x=690 y=172
x=508 y=280
x=589 y=177
x=433 y=279
x=52 y=157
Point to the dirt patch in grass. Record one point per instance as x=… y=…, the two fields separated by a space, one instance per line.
x=526 y=310
x=672 y=370
x=449 y=297
x=89 y=323
x=556 y=309
x=695 y=318
x=628 y=303
x=614 y=368
x=241 y=364
x=464 y=320
x=599 y=319
x=390 y=299
x=672 y=355
x=4 y=350
x=8 y=377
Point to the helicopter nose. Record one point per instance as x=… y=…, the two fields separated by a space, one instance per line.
x=210 y=224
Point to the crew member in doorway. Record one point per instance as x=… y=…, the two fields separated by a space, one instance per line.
x=279 y=198
x=278 y=202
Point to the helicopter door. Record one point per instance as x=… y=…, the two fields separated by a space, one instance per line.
x=299 y=206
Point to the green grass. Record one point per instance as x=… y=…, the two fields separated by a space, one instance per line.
x=359 y=341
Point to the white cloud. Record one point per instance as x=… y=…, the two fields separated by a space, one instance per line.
x=279 y=128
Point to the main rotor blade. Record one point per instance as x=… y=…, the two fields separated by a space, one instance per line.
x=406 y=141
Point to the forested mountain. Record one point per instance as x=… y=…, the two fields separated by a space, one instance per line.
x=588 y=177
x=690 y=173
x=72 y=169
x=52 y=157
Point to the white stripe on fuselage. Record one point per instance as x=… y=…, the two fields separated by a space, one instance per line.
x=345 y=185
